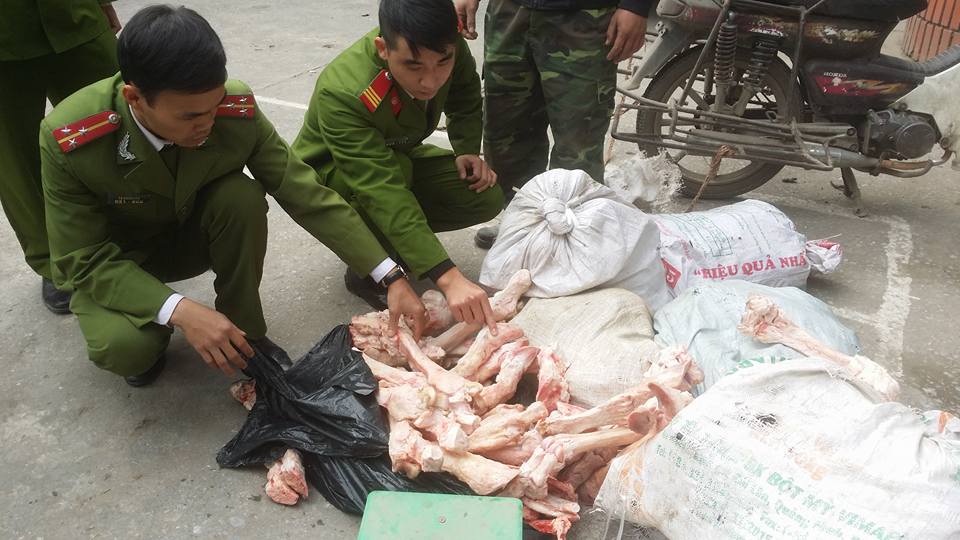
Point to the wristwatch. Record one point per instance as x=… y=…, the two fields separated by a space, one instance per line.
x=393 y=275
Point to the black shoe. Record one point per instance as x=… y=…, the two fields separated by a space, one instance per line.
x=486 y=236
x=56 y=300
x=149 y=375
x=363 y=287
x=268 y=348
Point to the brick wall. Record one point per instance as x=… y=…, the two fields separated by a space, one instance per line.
x=933 y=30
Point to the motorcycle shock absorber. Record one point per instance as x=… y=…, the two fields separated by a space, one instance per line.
x=764 y=52
x=724 y=58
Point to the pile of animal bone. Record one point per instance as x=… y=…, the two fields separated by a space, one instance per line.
x=445 y=398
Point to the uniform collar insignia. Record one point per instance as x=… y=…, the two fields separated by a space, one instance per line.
x=123 y=150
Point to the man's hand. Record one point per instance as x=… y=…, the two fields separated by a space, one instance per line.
x=475 y=170
x=467 y=301
x=221 y=344
x=625 y=35
x=403 y=300
x=467 y=13
x=111 y=17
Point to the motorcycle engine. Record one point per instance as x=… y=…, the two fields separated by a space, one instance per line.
x=905 y=134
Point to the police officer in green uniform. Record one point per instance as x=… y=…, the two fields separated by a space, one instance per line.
x=143 y=184
x=372 y=108
x=49 y=49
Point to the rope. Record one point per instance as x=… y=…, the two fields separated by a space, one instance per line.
x=722 y=152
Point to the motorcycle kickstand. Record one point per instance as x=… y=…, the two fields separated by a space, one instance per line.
x=851 y=190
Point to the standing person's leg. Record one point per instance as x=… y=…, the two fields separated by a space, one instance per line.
x=81 y=66
x=515 y=139
x=579 y=85
x=22 y=100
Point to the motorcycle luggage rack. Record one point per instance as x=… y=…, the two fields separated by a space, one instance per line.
x=780 y=153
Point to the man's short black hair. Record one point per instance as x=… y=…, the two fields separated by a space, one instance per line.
x=171 y=48
x=423 y=23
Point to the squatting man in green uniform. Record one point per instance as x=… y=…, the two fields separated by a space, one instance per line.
x=49 y=49
x=372 y=108
x=143 y=184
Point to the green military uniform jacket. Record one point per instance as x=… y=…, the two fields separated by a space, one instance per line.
x=109 y=199
x=367 y=132
x=32 y=28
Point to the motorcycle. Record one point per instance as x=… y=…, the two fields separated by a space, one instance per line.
x=759 y=85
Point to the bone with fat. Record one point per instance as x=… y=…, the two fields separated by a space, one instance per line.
x=512 y=370
x=503 y=430
x=491 y=367
x=441 y=379
x=580 y=471
x=443 y=429
x=556 y=451
x=518 y=453
x=765 y=322
x=410 y=453
x=552 y=386
x=286 y=481
x=405 y=402
x=484 y=346
x=484 y=476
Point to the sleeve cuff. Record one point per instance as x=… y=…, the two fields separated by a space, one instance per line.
x=439 y=270
x=166 y=310
x=640 y=7
x=381 y=270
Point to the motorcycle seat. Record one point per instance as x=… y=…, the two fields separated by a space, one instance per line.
x=871 y=10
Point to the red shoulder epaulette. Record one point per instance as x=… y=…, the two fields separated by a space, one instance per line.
x=239 y=106
x=73 y=136
x=381 y=87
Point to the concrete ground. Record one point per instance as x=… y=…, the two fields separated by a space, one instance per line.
x=86 y=456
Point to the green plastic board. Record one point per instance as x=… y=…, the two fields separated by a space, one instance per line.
x=391 y=515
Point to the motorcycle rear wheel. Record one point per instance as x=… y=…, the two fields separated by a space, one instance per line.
x=735 y=177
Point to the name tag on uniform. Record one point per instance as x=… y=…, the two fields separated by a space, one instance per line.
x=127 y=199
x=398 y=141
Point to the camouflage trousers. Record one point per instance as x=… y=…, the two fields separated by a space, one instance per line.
x=545 y=69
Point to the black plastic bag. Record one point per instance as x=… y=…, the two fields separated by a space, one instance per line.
x=325 y=407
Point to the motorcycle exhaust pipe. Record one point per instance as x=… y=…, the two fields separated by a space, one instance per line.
x=838 y=157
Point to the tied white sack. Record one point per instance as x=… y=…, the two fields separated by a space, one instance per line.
x=573 y=235
x=750 y=241
x=792 y=450
x=704 y=320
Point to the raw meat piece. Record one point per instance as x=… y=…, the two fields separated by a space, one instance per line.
x=514 y=365
x=491 y=367
x=245 y=392
x=559 y=526
x=442 y=429
x=566 y=409
x=766 y=323
x=410 y=453
x=518 y=453
x=278 y=491
x=561 y=489
x=405 y=402
x=502 y=430
x=292 y=473
x=556 y=451
x=439 y=317
x=580 y=471
x=454 y=336
x=285 y=479
x=441 y=379
x=588 y=490
x=551 y=385
x=615 y=410
x=484 y=346
x=484 y=476
x=371 y=334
